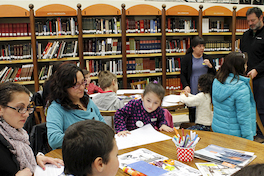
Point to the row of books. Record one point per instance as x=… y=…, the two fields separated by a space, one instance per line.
x=45 y=72
x=144 y=65
x=95 y=66
x=218 y=45
x=173 y=84
x=143 y=25
x=57 y=49
x=241 y=25
x=16 y=74
x=14 y=29
x=101 y=47
x=173 y=64
x=101 y=25
x=209 y=25
x=143 y=46
x=237 y=45
x=177 y=45
x=15 y=52
x=218 y=62
x=57 y=26
x=176 y=24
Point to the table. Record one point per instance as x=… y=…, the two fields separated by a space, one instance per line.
x=168 y=149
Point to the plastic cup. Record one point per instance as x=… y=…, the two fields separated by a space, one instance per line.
x=185 y=154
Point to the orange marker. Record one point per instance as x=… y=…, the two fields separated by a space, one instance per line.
x=176 y=131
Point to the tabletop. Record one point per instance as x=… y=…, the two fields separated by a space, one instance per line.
x=168 y=149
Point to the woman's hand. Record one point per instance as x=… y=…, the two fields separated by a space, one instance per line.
x=24 y=172
x=207 y=62
x=42 y=160
x=187 y=89
x=123 y=133
x=165 y=128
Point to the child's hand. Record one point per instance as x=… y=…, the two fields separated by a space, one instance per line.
x=123 y=133
x=185 y=93
x=165 y=128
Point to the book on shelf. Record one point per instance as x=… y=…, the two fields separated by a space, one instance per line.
x=144 y=65
x=173 y=64
x=45 y=72
x=95 y=66
x=101 y=25
x=176 y=24
x=224 y=156
x=14 y=29
x=15 y=52
x=220 y=45
x=241 y=25
x=143 y=25
x=177 y=45
x=10 y=74
x=218 y=62
x=56 y=26
x=101 y=47
x=173 y=84
x=143 y=46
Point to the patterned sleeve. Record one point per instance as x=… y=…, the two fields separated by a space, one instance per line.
x=122 y=115
x=161 y=118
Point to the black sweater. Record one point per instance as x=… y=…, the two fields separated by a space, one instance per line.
x=186 y=68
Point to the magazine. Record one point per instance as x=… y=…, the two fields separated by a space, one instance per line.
x=225 y=156
x=212 y=169
x=142 y=154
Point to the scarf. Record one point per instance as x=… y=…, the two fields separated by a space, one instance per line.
x=19 y=139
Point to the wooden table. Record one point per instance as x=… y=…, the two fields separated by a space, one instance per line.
x=168 y=149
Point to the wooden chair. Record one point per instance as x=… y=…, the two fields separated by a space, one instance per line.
x=40 y=110
x=259 y=123
x=140 y=84
x=109 y=113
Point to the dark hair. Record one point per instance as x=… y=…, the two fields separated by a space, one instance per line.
x=105 y=79
x=197 y=40
x=252 y=170
x=85 y=72
x=255 y=10
x=205 y=83
x=155 y=88
x=83 y=142
x=234 y=63
x=7 y=90
x=64 y=78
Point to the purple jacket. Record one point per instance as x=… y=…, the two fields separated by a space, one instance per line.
x=133 y=111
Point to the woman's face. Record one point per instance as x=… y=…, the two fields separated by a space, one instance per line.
x=15 y=119
x=198 y=50
x=76 y=92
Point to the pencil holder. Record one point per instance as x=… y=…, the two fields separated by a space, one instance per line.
x=185 y=154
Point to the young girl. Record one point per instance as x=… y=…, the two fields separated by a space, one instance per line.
x=202 y=101
x=137 y=113
x=234 y=104
x=90 y=87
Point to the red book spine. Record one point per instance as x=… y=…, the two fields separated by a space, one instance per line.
x=6 y=30
x=25 y=30
x=18 y=30
x=10 y=29
x=141 y=25
x=29 y=29
x=21 y=29
x=14 y=26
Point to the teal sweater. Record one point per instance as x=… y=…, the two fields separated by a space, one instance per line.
x=59 y=119
x=234 y=108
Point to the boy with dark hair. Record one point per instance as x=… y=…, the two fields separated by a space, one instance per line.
x=89 y=149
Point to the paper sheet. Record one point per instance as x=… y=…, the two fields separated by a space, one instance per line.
x=51 y=170
x=144 y=135
x=129 y=91
x=172 y=98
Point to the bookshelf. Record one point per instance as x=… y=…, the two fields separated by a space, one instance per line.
x=135 y=12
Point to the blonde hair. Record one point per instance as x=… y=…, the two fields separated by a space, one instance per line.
x=105 y=79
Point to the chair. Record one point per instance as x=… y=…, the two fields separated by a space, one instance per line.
x=109 y=113
x=39 y=110
x=139 y=84
x=259 y=123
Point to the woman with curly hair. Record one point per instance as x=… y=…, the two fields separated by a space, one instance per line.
x=69 y=103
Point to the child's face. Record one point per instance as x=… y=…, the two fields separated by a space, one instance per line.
x=112 y=166
x=87 y=78
x=151 y=102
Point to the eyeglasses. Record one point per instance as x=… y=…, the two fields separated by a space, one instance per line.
x=23 y=110
x=77 y=86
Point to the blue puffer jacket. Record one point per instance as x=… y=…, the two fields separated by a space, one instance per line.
x=234 y=108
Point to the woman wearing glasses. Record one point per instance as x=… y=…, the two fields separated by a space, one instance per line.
x=17 y=158
x=69 y=103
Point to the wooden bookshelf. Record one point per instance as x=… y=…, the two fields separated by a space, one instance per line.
x=107 y=10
